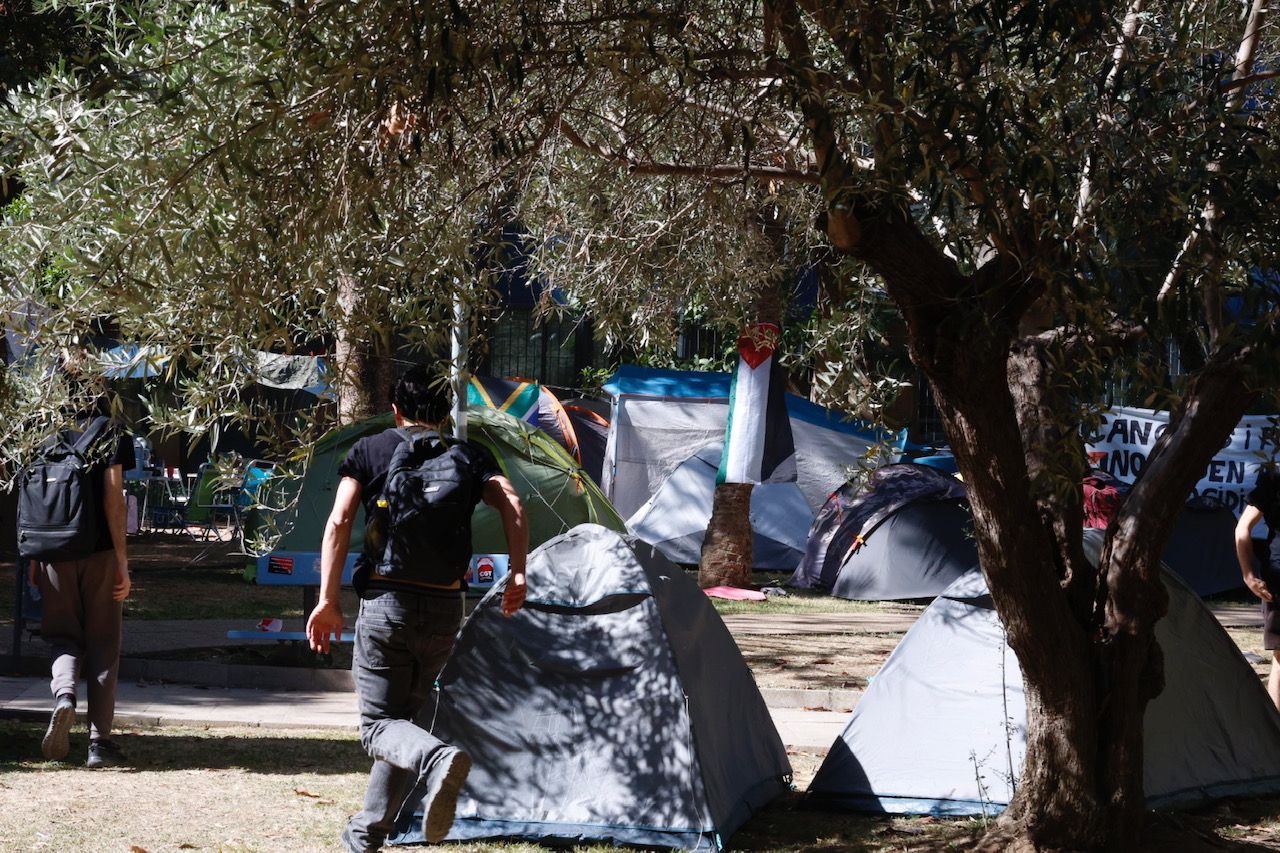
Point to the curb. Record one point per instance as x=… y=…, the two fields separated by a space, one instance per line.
x=147 y=721
x=811 y=700
x=237 y=675
x=339 y=681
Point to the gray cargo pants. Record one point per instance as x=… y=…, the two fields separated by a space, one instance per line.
x=82 y=624
x=402 y=643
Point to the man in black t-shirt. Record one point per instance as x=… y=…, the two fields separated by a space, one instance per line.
x=1264 y=503
x=406 y=626
x=83 y=609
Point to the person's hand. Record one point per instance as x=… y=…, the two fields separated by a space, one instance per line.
x=513 y=595
x=120 y=591
x=31 y=574
x=1258 y=587
x=323 y=623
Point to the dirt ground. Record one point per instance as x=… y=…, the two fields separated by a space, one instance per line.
x=822 y=661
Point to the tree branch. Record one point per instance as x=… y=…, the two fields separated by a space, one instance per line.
x=1192 y=247
x=834 y=171
x=1003 y=236
x=1241 y=82
x=702 y=170
x=1128 y=31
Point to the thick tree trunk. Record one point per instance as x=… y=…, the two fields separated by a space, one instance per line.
x=364 y=368
x=726 y=549
x=1056 y=803
x=1090 y=662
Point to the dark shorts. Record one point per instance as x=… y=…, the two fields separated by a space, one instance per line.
x=1271 y=609
x=1270 y=625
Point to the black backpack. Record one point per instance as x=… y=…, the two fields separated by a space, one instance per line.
x=425 y=510
x=57 y=502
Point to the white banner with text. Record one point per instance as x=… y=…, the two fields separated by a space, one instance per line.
x=1128 y=434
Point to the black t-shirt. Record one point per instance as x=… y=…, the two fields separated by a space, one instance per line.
x=1266 y=497
x=369 y=458
x=113 y=447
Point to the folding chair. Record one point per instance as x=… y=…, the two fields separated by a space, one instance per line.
x=164 y=509
x=211 y=501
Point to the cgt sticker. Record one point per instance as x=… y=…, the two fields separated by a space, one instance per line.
x=280 y=565
x=484 y=570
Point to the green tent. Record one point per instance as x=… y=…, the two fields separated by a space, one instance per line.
x=557 y=495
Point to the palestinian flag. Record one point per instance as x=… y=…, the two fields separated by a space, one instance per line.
x=757 y=443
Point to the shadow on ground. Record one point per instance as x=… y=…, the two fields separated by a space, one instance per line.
x=158 y=750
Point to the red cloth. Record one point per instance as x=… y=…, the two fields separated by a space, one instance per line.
x=1102 y=496
x=734 y=593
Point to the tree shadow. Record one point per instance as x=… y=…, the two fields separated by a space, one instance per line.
x=161 y=750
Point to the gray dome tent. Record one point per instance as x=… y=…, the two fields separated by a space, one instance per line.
x=942 y=727
x=1202 y=547
x=908 y=534
x=614 y=706
x=675 y=519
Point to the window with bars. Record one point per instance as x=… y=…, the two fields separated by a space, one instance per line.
x=551 y=350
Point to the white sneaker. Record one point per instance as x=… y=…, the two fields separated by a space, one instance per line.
x=57 y=740
x=441 y=800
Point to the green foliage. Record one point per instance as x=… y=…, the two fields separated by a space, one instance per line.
x=255 y=175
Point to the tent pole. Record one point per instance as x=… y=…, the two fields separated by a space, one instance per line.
x=458 y=367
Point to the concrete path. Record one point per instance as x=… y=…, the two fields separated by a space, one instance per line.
x=806 y=719
x=144 y=636
x=151 y=704
x=1234 y=615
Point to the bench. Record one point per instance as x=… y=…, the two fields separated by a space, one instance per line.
x=295 y=636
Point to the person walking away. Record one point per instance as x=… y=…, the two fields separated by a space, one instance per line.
x=1264 y=503
x=71 y=526
x=418 y=490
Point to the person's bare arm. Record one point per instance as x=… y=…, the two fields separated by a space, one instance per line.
x=1244 y=551
x=113 y=504
x=501 y=495
x=326 y=620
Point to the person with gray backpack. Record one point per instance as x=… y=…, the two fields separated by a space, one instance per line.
x=419 y=489
x=71 y=529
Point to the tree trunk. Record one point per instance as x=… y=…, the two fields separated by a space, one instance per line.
x=1084 y=638
x=726 y=550
x=363 y=366
x=1056 y=803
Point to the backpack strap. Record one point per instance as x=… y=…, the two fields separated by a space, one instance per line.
x=409 y=434
x=94 y=431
